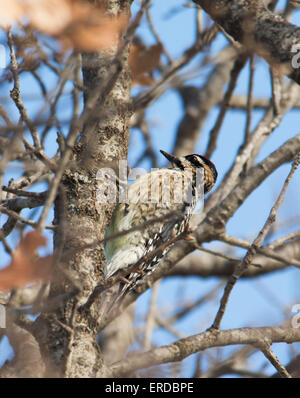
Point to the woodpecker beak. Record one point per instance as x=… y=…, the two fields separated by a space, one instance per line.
x=171 y=158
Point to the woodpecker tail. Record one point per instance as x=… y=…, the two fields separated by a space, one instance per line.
x=107 y=300
x=111 y=297
x=116 y=296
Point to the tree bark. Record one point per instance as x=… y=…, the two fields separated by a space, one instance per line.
x=69 y=339
x=260 y=30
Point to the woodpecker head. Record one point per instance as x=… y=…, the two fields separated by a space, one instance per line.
x=195 y=162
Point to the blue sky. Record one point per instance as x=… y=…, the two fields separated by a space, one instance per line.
x=254 y=302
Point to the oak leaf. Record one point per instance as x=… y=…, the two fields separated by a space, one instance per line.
x=143 y=61
x=26 y=266
x=11 y=11
x=75 y=23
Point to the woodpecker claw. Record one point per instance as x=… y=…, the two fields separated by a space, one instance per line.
x=188 y=231
x=190 y=238
x=125 y=280
x=173 y=233
x=191 y=230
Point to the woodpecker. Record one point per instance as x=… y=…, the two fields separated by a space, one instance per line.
x=157 y=194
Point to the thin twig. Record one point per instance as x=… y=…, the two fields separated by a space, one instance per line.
x=20 y=192
x=144 y=99
x=269 y=354
x=156 y=35
x=15 y=93
x=15 y=215
x=214 y=132
x=253 y=249
x=265 y=250
x=276 y=91
x=265 y=127
x=150 y=323
x=249 y=100
x=191 y=306
x=280 y=241
x=40 y=154
x=225 y=256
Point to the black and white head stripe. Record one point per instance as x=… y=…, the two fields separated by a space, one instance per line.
x=198 y=160
x=194 y=160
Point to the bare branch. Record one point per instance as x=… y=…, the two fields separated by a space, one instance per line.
x=28 y=360
x=259 y=30
x=269 y=354
x=181 y=349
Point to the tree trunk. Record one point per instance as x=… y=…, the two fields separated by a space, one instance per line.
x=75 y=353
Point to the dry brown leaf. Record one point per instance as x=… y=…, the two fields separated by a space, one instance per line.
x=143 y=61
x=88 y=37
x=26 y=267
x=76 y=23
x=49 y=16
x=11 y=11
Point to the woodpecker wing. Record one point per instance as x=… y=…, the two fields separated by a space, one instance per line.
x=153 y=195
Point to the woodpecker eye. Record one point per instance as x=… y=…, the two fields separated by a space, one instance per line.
x=195 y=160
